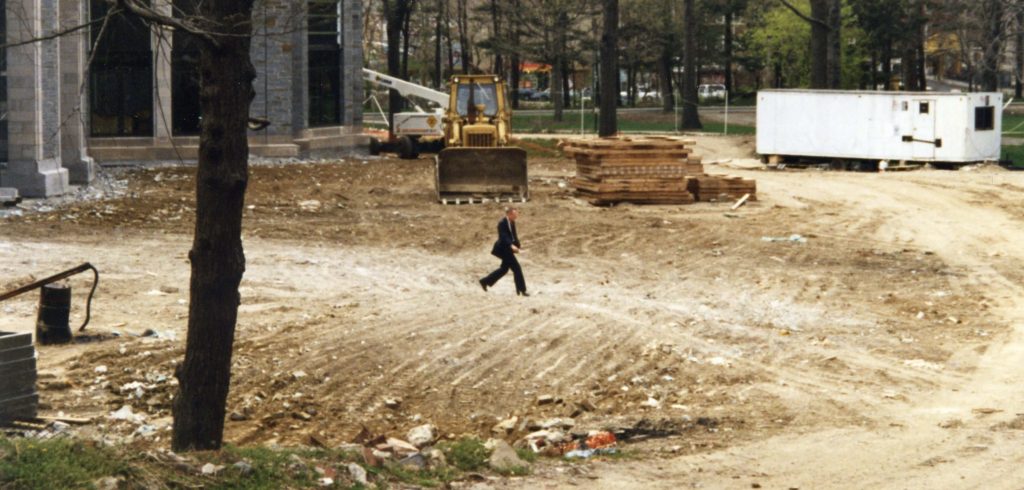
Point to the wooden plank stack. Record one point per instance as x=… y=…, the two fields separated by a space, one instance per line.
x=18 y=397
x=713 y=188
x=651 y=170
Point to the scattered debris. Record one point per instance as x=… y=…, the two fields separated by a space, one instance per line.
x=422 y=436
x=503 y=457
x=791 y=238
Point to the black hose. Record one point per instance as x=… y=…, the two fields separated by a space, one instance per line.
x=88 y=302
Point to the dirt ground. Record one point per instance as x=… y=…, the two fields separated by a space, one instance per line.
x=881 y=348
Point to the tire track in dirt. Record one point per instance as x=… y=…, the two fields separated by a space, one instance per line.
x=914 y=452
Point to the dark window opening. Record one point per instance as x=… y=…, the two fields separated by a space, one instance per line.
x=923 y=109
x=185 y=106
x=120 y=76
x=324 y=63
x=984 y=118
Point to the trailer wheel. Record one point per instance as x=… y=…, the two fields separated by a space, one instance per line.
x=407 y=148
x=375 y=146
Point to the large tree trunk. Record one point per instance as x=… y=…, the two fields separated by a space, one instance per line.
x=608 y=124
x=728 y=53
x=463 y=21
x=668 y=97
x=556 y=67
x=394 y=14
x=910 y=82
x=993 y=32
x=448 y=36
x=499 y=62
x=887 y=66
x=690 y=116
x=437 y=43
x=835 y=48
x=405 y=42
x=217 y=258
x=1019 y=52
x=819 y=44
x=514 y=60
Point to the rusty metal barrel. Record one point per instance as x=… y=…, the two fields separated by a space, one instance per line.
x=52 y=325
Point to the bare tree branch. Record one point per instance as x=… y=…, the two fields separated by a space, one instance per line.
x=146 y=13
x=804 y=16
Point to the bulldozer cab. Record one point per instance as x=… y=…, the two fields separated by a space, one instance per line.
x=477 y=162
x=477 y=99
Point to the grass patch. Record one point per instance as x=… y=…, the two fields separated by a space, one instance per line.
x=1013 y=125
x=57 y=463
x=271 y=468
x=467 y=454
x=527 y=455
x=628 y=122
x=1014 y=154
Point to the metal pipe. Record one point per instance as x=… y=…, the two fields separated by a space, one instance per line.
x=57 y=277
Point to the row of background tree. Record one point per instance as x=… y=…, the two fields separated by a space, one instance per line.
x=742 y=44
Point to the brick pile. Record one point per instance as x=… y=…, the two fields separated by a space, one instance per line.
x=647 y=170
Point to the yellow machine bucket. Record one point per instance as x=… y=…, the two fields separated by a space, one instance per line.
x=475 y=174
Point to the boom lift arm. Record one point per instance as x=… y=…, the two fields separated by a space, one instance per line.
x=405 y=88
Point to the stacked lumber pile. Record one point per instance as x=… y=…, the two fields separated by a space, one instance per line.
x=711 y=188
x=651 y=170
x=18 y=397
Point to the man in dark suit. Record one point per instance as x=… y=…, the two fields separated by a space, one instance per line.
x=506 y=249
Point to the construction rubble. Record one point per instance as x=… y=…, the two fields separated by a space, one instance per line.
x=648 y=170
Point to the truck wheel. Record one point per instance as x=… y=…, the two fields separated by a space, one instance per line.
x=407 y=148
x=375 y=146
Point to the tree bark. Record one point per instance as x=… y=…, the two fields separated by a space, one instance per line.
x=1019 y=54
x=394 y=14
x=405 y=42
x=217 y=257
x=835 y=48
x=819 y=45
x=463 y=21
x=668 y=96
x=556 y=67
x=437 y=44
x=993 y=32
x=514 y=60
x=728 y=52
x=690 y=116
x=499 y=62
x=608 y=123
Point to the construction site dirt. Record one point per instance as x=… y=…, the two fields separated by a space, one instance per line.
x=845 y=327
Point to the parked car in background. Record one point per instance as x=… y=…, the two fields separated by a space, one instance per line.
x=541 y=95
x=711 y=91
x=525 y=93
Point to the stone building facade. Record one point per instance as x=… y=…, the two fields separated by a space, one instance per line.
x=117 y=91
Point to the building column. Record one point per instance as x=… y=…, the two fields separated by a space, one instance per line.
x=162 y=38
x=33 y=90
x=352 y=64
x=74 y=105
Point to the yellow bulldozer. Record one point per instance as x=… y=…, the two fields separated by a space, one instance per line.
x=476 y=162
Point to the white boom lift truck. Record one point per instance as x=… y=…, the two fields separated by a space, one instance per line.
x=413 y=131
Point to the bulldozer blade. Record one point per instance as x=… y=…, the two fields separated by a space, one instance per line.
x=481 y=172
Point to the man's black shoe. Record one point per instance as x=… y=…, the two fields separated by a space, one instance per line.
x=483 y=285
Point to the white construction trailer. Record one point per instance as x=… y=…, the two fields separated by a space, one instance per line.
x=844 y=126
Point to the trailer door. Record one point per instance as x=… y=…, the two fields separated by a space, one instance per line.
x=924 y=129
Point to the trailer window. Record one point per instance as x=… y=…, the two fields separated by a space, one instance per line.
x=924 y=108
x=984 y=118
